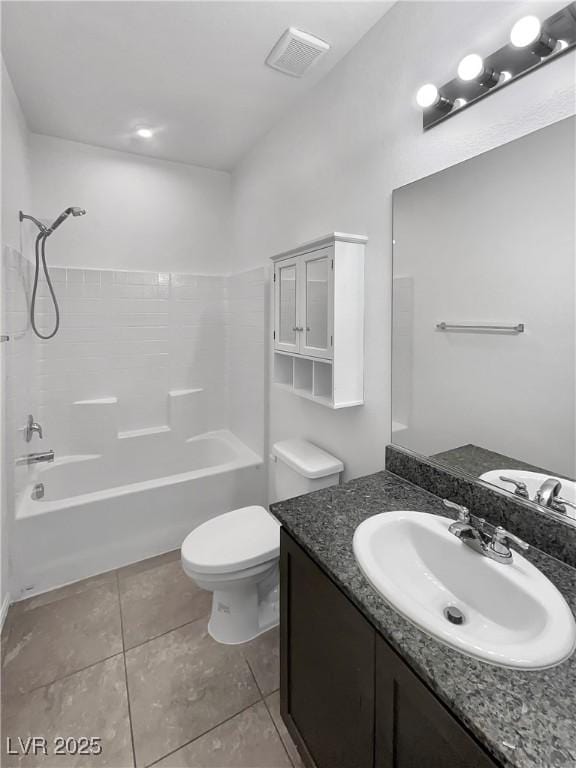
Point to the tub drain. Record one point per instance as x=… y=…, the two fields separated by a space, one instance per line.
x=454 y=615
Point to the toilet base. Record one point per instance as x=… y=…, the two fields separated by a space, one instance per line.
x=246 y=611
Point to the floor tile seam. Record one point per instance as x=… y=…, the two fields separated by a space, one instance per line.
x=277 y=729
x=126 y=672
x=163 y=634
x=18 y=612
x=10 y=694
x=204 y=733
x=144 y=570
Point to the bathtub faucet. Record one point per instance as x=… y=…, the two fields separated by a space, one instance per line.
x=35 y=458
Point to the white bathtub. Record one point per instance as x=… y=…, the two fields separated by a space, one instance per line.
x=140 y=499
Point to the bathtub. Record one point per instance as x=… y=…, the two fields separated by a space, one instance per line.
x=138 y=499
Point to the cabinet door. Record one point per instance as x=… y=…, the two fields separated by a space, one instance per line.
x=413 y=728
x=327 y=666
x=286 y=297
x=316 y=293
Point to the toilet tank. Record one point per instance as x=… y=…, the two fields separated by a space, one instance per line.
x=301 y=467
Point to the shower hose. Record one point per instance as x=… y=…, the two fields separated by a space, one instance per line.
x=40 y=252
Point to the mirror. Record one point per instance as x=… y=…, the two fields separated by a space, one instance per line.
x=483 y=343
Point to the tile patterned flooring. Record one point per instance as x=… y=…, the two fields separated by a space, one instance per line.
x=126 y=657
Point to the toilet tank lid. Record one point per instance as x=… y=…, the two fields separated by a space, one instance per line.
x=306 y=458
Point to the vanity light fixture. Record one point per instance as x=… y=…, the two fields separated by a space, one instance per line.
x=533 y=43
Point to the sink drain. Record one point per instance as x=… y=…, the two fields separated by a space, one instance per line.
x=454 y=615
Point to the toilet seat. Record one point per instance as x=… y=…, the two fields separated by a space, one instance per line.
x=233 y=541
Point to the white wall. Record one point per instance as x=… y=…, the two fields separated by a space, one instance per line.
x=482 y=242
x=15 y=356
x=247 y=310
x=332 y=165
x=142 y=213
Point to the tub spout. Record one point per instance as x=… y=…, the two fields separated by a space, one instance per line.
x=35 y=458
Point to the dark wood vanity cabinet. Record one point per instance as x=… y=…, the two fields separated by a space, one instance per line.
x=348 y=699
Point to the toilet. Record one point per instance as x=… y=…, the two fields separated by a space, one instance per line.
x=235 y=555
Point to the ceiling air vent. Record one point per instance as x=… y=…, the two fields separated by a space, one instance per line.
x=296 y=52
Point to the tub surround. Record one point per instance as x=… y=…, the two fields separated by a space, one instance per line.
x=541 y=528
x=523 y=719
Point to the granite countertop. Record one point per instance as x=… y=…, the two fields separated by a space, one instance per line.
x=524 y=719
x=476 y=460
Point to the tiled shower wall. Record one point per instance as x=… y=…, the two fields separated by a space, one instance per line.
x=136 y=336
x=20 y=363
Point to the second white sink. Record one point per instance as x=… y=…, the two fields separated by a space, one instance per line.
x=512 y=615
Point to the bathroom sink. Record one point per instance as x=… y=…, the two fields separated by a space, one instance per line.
x=533 y=481
x=510 y=615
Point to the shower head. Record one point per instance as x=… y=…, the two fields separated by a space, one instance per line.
x=74 y=211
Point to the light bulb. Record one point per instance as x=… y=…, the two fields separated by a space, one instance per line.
x=144 y=133
x=427 y=96
x=473 y=69
x=470 y=67
x=528 y=33
x=525 y=32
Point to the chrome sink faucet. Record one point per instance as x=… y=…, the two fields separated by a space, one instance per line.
x=548 y=495
x=488 y=540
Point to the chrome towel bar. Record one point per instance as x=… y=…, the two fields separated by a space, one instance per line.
x=519 y=328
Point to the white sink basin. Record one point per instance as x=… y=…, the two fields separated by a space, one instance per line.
x=533 y=481
x=513 y=615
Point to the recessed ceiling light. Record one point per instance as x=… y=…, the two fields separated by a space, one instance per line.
x=144 y=133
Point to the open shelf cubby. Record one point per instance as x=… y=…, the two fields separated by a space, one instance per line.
x=283 y=370
x=308 y=378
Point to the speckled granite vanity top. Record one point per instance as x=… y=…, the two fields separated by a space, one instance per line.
x=476 y=460
x=524 y=719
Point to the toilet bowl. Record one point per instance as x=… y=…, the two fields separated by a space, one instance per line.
x=235 y=556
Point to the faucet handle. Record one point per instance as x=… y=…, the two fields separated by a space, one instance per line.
x=463 y=512
x=521 y=489
x=501 y=540
x=31 y=428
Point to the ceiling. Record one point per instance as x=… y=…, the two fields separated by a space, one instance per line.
x=192 y=71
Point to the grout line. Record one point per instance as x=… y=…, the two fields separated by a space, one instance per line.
x=277 y=729
x=253 y=677
x=125 y=671
x=167 y=632
x=200 y=735
x=64 y=677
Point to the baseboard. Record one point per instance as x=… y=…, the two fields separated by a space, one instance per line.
x=4 y=610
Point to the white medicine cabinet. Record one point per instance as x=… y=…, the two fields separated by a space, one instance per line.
x=319 y=320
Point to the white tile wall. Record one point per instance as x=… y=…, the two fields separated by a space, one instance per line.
x=20 y=363
x=135 y=336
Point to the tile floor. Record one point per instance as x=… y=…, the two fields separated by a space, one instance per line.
x=126 y=657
